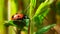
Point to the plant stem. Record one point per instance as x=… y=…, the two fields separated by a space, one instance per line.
x=18 y=31
x=7 y=29
x=29 y=29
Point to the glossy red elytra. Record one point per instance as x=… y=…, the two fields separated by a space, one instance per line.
x=17 y=16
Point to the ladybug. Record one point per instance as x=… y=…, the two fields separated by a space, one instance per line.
x=18 y=19
x=18 y=16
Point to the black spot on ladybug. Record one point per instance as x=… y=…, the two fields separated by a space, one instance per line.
x=18 y=16
x=13 y=16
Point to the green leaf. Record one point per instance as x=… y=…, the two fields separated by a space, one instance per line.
x=45 y=29
x=10 y=23
x=43 y=14
x=32 y=6
x=39 y=19
x=27 y=22
x=33 y=3
x=41 y=6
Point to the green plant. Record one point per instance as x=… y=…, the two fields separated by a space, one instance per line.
x=45 y=29
x=36 y=17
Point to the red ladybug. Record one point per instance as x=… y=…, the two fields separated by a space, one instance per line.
x=18 y=17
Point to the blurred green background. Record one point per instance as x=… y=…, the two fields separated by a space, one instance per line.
x=10 y=7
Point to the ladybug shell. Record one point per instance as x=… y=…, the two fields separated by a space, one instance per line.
x=17 y=17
